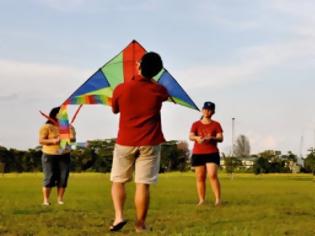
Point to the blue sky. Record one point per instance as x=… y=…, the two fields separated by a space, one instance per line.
x=254 y=59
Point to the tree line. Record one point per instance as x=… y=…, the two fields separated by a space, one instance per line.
x=175 y=156
x=95 y=157
x=269 y=161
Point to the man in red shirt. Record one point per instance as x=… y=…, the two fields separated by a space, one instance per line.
x=206 y=159
x=139 y=102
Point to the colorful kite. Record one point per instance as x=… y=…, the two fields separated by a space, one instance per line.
x=98 y=89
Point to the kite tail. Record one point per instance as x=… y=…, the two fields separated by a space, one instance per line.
x=64 y=128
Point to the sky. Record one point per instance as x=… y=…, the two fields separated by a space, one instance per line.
x=254 y=59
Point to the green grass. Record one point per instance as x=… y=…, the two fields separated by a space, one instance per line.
x=253 y=205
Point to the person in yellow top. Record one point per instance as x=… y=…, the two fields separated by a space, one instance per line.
x=55 y=163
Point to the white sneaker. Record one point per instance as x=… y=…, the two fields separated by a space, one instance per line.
x=61 y=202
x=46 y=204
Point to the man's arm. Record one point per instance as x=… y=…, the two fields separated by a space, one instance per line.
x=115 y=104
x=165 y=95
x=115 y=108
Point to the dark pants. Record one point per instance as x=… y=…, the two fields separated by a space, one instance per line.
x=56 y=170
x=203 y=159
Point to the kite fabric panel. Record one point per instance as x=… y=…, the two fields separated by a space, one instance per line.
x=64 y=128
x=98 y=89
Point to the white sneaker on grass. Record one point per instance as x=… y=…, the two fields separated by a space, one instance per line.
x=60 y=202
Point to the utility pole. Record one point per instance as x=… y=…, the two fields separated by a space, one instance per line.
x=301 y=151
x=233 y=138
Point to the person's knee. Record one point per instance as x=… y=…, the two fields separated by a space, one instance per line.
x=143 y=186
x=63 y=180
x=201 y=177
x=118 y=184
x=213 y=176
x=49 y=180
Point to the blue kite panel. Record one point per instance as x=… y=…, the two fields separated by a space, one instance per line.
x=97 y=81
x=174 y=89
x=63 y=123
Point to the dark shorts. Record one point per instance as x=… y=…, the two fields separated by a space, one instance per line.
x=56 y=170
x=202 y=159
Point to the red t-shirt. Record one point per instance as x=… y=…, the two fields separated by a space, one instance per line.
x=139 y=102
x=203 y=130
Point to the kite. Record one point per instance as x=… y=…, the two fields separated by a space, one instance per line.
x=98 y=89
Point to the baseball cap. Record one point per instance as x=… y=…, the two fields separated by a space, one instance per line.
x=209 y=106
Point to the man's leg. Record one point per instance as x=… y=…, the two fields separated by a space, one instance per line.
x=142 y=201
x=212 y=170
x=118 y=197
x=201 y=173
x=146 y=172
x=121 y=173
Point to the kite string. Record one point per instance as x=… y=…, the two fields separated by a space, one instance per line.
x=49 y=118
x=75 y=114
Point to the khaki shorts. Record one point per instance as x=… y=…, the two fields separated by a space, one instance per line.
x=145 y=160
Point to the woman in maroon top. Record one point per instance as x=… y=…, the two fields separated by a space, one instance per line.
x=206 y=159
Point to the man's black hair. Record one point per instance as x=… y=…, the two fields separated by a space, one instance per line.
x=151 y=64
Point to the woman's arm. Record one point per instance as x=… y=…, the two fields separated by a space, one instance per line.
x=72 y=134
x=43 y=137
x=196 y=138
x=218 y=138
x=47 y=141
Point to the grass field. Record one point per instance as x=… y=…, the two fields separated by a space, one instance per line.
x=252 y=205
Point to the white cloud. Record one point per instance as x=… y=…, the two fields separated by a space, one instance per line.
x=8 y=97
x=63 y=5
x=302 y=9
x=240 y=25
x=99 y=5
x=269 y=142
x=251 y=63
x=302 y=12
x=38 y=79
x=260 y=142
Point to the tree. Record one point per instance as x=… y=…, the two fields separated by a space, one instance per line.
x=97 y=156
x=241 y=146
x=16 y=160
x=231 y=163
x=174 y=156
x=183 y=155
x=290 y=156
x=271 y=161
x=261 y=165
x=4 y=157
x=309 y=162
